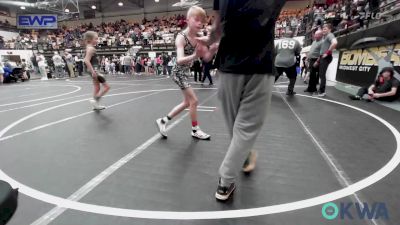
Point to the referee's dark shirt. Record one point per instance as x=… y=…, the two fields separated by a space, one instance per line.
x=248 y=32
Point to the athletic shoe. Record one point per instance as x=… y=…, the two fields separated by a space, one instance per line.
x=96 y=106
x=250 y=163
x=94 y=103
x=100 y=107
x=223 y=193
x=355 y=97
x=290 y=93
x=162 y=127
x=199 y=134
x=321 y=94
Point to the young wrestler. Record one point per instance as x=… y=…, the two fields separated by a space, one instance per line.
x=93 y=67
x=187 y=52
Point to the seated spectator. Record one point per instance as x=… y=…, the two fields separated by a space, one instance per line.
x=385 y=88
x=1 y=73
x=1 y=42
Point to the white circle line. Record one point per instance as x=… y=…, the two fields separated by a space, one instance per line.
x=78 y=88
x=240 y=213
x=117 y=81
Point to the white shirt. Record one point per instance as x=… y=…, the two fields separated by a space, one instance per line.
x=42 y=62
x=57 y=60
x=77 y=59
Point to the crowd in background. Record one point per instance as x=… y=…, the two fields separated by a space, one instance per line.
x=342 y=14
x=5 y=23
x=139 y=64
x=290 y=21
x=120 y=33
x=346 y=15
x=65 y=65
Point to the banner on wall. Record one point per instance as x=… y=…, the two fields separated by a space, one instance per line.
x=37 y=21
x=361 y=66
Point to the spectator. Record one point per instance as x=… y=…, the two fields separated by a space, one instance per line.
x=70 y=63
x=138 y=65
x=171 y=64
x=35 y=63
x=127 y=60
x=207 y=68
x=1 y=42
x=25 y=71
x=304 y=70
x=42 y=66
x=166 y=60
x=58 y=65
x=79 y=64
x=197 y=68
x=1 y=73
x=385 y=88
x=146 y=63
x=373 y=5
x=159 y=65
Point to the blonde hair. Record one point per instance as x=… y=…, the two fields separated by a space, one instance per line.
x=89 y=35
x=196 y=11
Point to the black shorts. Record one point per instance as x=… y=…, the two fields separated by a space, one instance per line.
x=291 y=72
x=100 y=77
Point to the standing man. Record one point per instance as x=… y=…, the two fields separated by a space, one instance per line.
x=138 y=66
x=58 y=65
x=247 y=78
x=70 y=63
x=165 y=61
x=328 y=44
x=197 y=69
x=79 y=63
x=35 y=63
x=312 y=58
x=288 y=49
x=121 y=64
x=42 y=66
x=127 y=60
x=1 y=73
x=206 y=74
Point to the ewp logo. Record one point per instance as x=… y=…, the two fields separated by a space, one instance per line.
x=37 y=21
x=331 y=211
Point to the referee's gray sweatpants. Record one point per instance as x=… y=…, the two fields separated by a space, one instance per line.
x=245 y=101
